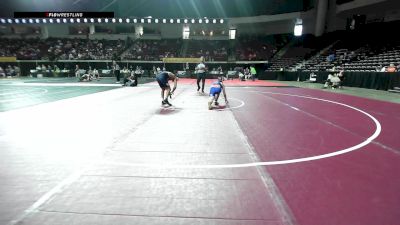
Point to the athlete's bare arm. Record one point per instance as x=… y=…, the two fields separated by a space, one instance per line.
x=174 y=78
x=223 y=91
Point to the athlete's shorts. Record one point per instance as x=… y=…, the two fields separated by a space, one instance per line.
x=215 y=90
x=162 y=80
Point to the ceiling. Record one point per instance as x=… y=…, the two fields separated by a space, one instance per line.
x=159 y=8
x=377 y=8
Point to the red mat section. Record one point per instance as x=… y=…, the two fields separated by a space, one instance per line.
x=358 y=188
x=236 y=82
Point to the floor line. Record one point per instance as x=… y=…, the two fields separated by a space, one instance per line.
x=270 y=186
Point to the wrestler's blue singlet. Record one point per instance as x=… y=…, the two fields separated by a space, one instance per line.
x=216 y=88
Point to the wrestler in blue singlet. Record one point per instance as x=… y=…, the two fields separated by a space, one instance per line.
x=216 y=88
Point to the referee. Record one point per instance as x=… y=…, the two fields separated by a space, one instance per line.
x=117 y=71
x=201 y=74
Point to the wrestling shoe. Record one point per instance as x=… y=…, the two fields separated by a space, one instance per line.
x=165 y=102
x=209 y=105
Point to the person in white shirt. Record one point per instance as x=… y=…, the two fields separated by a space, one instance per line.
x=247 y=74
x=201 y=74
x=117 y=72
x=77 y=71
x=2 y=73
x=96 y=74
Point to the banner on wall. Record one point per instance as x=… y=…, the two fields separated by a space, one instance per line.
x=181 y=60
x=8 y=59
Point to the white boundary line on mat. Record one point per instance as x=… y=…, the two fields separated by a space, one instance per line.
x=270 y=163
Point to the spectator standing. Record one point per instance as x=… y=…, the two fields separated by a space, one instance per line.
x=50 y=71
x=96 y=74
x=2 y=73
x=77 y=71
x=154 y=70
x=341 y=77
x=7 y=71
x=220 y=72
x=253 y=72
x=17 y=71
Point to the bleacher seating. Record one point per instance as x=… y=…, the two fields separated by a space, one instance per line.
x=284 y=52
x=153 y=49
x=210 y=50
x=61 y=48
x=23 y=48
x=83 y=49
x=253 y=48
